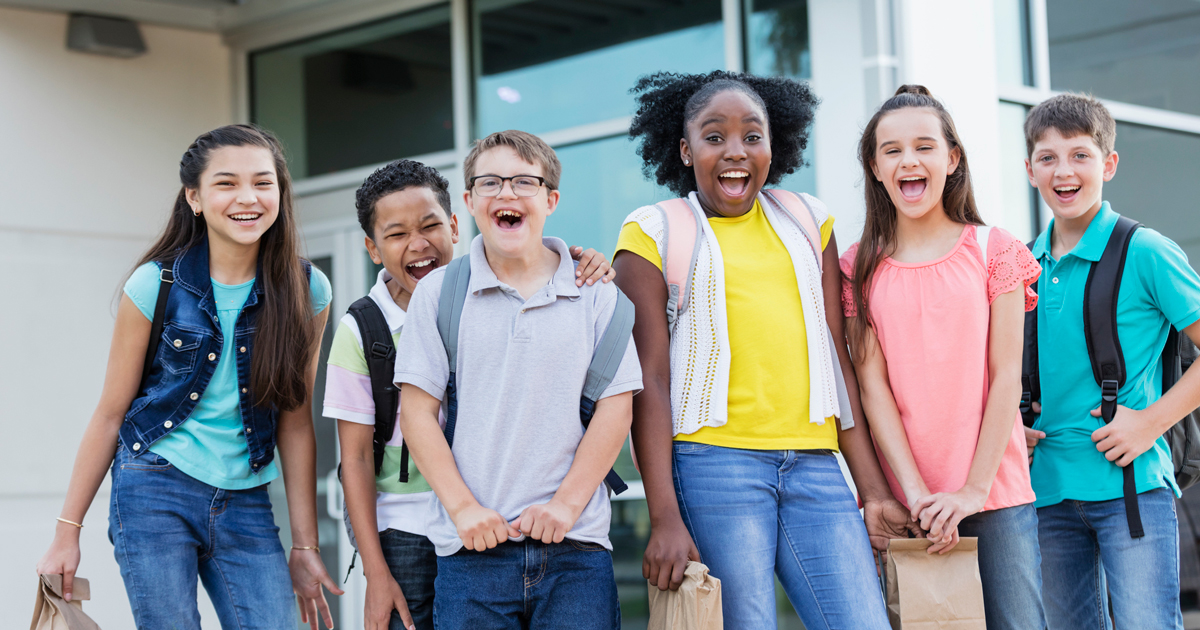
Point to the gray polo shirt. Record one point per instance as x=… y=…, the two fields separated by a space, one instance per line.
x=521 y=367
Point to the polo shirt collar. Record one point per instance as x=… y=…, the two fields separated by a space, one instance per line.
x=1095 y=237
x=562 y=283
x=392 y=313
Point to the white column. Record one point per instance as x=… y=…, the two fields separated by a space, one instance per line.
x=835 y=36
x=949 y=46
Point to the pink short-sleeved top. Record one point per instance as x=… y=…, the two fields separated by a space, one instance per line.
x=931 y=319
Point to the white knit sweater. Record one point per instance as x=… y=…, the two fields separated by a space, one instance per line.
x=700 y=337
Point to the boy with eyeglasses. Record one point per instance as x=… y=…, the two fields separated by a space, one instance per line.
x=404 y=209
x=521 y=523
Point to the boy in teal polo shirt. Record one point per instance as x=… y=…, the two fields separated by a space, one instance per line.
x=1088 y=554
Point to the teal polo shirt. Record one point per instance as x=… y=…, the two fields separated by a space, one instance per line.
x=1158 y=289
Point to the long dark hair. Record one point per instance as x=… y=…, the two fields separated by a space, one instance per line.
x=284 y=329
x=879 y=231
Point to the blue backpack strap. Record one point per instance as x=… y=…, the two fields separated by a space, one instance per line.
x=1104 y=347
x=602 y=369
x=450 y=307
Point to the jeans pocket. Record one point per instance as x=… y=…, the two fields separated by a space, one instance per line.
x=691 y=448
x=149 y=461
x=580 y=545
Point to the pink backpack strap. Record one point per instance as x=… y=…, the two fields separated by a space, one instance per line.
x=682 y=247
x=798 y=208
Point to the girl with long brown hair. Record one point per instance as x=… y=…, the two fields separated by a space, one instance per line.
x=189 y=419
x=935 y=302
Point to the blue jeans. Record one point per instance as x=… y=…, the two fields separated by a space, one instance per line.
x=1086 y=546
x=755 y=514
x=527 y=584
x=1009 y=566
x=167 y=529
x=413 y=564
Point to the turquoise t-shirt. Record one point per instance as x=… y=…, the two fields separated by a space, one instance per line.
x=1158 y=290
x=211 y=445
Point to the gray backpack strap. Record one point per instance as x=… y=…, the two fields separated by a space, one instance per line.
x=610 y=350
x=450 y=307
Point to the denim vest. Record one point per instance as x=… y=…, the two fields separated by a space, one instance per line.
x=187 y=357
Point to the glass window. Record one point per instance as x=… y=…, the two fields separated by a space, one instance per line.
x=1145 y=53
x=777 y=38
x=362 y=96
x=1014 y=59
x=1019 y=198
x=551 y=64
x=601 y=184
x=1156 y=183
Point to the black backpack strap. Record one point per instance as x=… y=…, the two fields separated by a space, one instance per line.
x=166 y=278
x=605 y=361
x=1031 y=382
x=380 y=353
x=450 y=307
x=1104 y=346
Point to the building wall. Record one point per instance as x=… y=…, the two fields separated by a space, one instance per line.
x=89 y=152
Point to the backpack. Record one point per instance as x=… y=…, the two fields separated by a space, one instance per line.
x=682 y=224
x=603 y=367
x=380 y=354
x=1108 y=366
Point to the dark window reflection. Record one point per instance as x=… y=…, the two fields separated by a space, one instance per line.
x=777 y=38
x=1145 y=52
x=359 y=97
x=551 y=64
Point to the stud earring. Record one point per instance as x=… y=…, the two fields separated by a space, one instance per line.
x=686 y=162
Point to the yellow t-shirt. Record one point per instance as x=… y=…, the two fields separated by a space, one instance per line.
x=768 y=367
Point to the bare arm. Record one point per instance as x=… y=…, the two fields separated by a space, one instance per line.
x=594 y=457
x=885 y=517
x=1133 y=432
x=943 y=511
x=358 y=484
x=479 y=527
x=298 y=461
x=670 y=546
x=99 y=443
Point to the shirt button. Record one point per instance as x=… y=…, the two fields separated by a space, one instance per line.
x=1054 y=280
x=137 y=446
x=212 y=356
x=177 y=343
x=522 y=310
x=194 y=396
x=242 y=349
x=168 y=424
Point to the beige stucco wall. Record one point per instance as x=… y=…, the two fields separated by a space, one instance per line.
x=89 y=152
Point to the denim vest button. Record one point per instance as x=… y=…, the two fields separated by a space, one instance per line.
x=212 y=356
x=137 y=446
x=242 y=349
x=168 y=424
x=177 y=343
x=243 y=390
x=194 y=396
x=249 y=430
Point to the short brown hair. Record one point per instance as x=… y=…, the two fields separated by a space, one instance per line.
x=531 y=148
x=1072 y=115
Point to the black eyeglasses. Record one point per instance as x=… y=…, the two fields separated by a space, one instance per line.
x=522 y=185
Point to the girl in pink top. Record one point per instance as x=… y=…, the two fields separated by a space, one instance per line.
x=936 y=336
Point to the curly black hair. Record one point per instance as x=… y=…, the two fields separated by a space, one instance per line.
x=667 y=101
x=394 y=177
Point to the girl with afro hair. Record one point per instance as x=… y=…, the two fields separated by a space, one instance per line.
x=744 y=400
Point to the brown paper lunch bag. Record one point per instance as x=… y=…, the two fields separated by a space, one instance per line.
x=52 y=612
x=934 y=591
x=695 y=606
